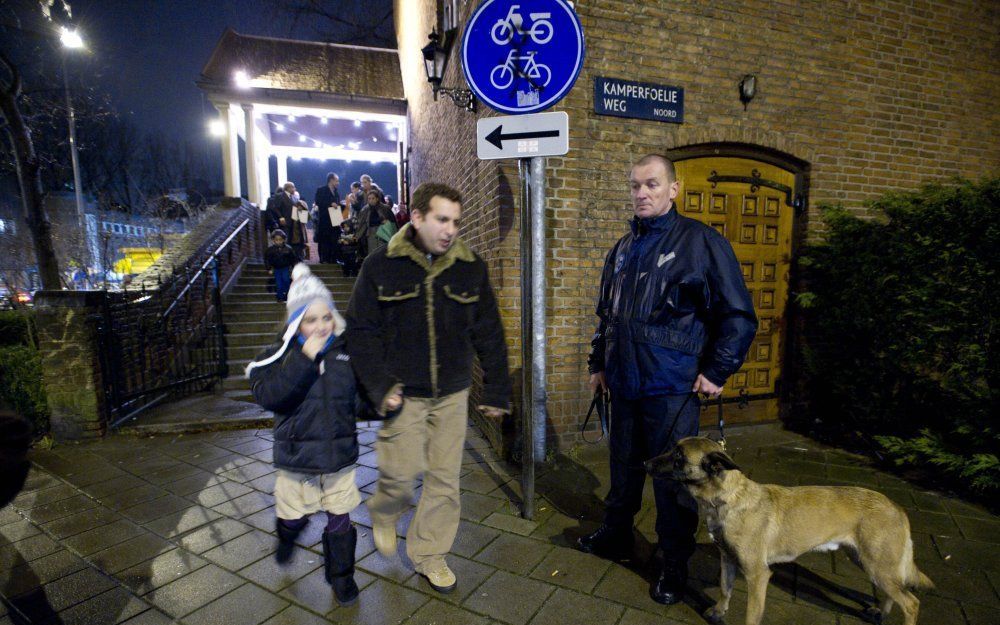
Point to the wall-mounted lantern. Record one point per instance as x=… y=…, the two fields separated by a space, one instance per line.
x=435 y=62
x=748 y=89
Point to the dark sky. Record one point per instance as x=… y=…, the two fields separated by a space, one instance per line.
x=147 y=54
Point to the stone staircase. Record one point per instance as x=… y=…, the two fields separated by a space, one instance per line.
x=253 y=319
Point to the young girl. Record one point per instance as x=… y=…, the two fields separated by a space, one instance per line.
x=305 y=378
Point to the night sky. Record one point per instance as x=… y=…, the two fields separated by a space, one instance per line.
x=147 y=54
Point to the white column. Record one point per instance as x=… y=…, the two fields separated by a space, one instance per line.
x=282 y=169
x=264 y=176
x=253 y=177
x=264 y=149
x=230 y=154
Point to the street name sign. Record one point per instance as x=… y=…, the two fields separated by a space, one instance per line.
x=639 y=100
x=524 y=57
x=523 y=136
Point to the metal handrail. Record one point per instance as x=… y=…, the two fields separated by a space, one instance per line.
x=205 y=266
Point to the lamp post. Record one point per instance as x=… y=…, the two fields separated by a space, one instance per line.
x=71 y=40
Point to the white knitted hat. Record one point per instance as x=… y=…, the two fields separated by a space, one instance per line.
x=305 y=290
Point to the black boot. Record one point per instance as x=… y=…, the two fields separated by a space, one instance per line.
x=669 y=587
x=608 y=542
x=286 y=542
x=338 y=552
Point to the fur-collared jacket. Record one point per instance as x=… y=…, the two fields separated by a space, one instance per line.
x=417 y=323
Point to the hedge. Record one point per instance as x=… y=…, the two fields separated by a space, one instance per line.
x=901 y=330
x=21 y=387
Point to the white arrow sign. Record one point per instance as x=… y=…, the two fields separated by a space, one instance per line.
x=523 y=136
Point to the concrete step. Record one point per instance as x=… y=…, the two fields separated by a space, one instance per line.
x=250 y=339
x=239 y=395
x=239 y=325
x=332 y=278
x=244 y=352
x=236 y=383
x=323 y=271
x=200 y=413
x=237 y=367
x=267 y=309
x=273 y=320
x=264 y=290
x=261 y=297
x=263 y=283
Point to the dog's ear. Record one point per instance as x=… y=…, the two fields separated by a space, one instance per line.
x=717 y=462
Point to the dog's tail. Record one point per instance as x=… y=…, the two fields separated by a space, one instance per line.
x=913 y=576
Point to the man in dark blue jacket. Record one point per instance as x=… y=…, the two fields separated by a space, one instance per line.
x=676 y=320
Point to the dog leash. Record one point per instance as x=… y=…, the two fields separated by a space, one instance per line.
x=602 y=404
x=722 y=427
x=722 y=424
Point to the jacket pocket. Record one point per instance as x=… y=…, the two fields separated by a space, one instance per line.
x=397 y=294
x=463 y=297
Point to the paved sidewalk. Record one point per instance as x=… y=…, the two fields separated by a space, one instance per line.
x=179 y=529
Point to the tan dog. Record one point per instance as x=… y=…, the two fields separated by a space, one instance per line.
x=756 y=525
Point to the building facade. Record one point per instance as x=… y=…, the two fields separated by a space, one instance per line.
x=853 y=99
x=282 y=102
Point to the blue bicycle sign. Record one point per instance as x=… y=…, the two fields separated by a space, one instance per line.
x=523 y=57
x=537 y=74
x=540 y=32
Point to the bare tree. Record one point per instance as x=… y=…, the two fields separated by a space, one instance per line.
x=21 y=20
x=358 y=22
x=112 y=145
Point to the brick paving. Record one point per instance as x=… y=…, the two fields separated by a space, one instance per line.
x=179 y=529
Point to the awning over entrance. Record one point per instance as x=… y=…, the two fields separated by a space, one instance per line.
x=299 y=99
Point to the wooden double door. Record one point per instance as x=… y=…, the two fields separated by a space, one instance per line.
x=751 y=203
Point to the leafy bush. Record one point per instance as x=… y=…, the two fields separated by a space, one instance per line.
x=21 y=387
x=16 y=328
x=902 y=330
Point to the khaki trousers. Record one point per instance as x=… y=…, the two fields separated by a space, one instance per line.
x=427 y=436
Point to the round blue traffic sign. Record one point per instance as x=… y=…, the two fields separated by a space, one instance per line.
x=523 y=57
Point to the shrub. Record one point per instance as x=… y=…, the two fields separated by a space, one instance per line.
x=21 y=387
x=16 y=328
x=902 y=329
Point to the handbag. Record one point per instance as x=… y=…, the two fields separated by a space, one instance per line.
x=386 y=231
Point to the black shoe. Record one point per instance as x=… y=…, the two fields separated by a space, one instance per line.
x=286 y=542
x=338 y=555
x=669 y=587
x=609 y=543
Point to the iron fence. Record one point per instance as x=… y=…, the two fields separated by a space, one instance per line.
x=168 y=341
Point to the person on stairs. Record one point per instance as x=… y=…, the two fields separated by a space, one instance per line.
x=279 y=258
x=306 y=379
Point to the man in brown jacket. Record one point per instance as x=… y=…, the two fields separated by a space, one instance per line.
x=422 y=308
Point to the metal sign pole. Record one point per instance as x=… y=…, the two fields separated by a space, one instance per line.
x=533 y=285
x=540 y=48
x=527 y=394
x=538 y=287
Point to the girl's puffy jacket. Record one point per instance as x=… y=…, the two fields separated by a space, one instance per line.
x=314 y=415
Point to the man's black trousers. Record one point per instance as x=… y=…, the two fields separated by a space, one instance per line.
x=639 y=431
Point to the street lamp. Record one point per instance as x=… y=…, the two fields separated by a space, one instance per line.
x=71 y=40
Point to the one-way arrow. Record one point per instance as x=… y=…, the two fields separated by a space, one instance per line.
x=497 y=139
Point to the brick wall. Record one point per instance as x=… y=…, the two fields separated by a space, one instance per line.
x=71 y=372
x=874 y=95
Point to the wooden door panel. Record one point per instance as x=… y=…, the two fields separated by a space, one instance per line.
x=757 y=221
